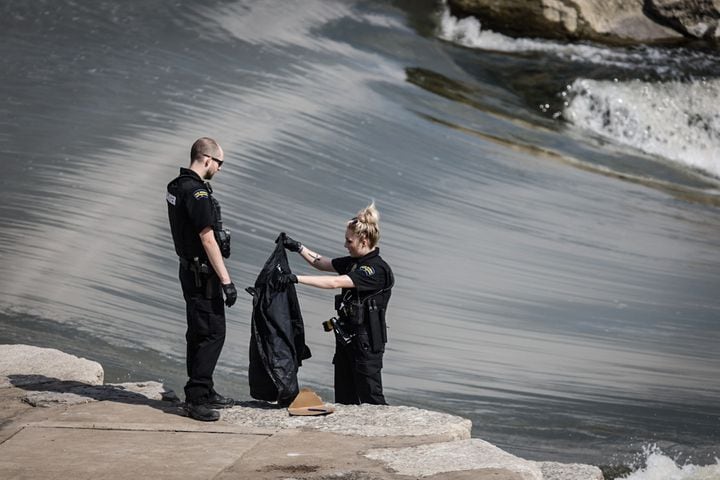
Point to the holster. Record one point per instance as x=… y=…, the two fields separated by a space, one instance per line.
x=201 y=274
x=352 y=312
x=376 y=327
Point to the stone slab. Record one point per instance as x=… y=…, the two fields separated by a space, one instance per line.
x=475 y=457
x=44 y=453
x=25 y=364
x=152 y=416
x=314 y=455
x=360 y=420
x=474 y=454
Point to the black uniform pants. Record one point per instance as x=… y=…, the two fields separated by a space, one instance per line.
x=205 y=334
x=358 y=373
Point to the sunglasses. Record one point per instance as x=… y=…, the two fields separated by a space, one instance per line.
x=219 y=162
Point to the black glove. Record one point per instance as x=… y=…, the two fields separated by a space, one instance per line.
x=292 y=245
x=230 y=293
x=286 y=279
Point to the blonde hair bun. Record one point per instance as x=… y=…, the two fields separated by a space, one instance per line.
x=366 y=224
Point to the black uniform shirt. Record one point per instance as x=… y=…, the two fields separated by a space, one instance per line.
x=369 y=274
x=190 y=211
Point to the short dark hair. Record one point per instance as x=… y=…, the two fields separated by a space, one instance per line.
x=204 y=146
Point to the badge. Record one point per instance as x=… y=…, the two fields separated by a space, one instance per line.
x=367 y=270
x=199 y=194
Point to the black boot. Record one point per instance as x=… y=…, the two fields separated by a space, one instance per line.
x=201 y=412
x=215 y=400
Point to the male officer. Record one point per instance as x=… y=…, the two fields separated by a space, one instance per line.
x=201 y=243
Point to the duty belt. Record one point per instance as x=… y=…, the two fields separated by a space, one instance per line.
x=370 y=321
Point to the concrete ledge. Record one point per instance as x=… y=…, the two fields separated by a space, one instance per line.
x=132 y=430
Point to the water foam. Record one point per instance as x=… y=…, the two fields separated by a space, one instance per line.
x=468 y=32
x=676 y=120
x=660 y=467
x=673 y=118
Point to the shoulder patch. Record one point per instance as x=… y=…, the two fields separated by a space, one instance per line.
x=200 y=193
x=367 y=270
x=170 y=198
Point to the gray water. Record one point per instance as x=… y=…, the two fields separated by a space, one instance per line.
x=556 y=286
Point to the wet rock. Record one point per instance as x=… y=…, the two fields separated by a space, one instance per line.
x=611 y=21
x=694 y=18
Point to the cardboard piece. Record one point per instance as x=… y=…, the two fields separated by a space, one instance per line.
x=308 y=402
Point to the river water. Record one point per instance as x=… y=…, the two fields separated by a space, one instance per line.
x=551 y=211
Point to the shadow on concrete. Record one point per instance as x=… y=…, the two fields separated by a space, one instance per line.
x=259 y=404
x=49 y=390
x=71 y=392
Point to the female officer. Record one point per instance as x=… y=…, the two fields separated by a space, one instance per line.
x=360 y=331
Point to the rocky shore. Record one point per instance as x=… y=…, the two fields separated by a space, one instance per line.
x=611 y=21
x=59 y=420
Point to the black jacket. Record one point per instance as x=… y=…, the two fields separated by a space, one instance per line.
x=277 y=340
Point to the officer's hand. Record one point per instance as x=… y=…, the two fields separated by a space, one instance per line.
x=230 y=293
x=292 y=245
x=286 y=279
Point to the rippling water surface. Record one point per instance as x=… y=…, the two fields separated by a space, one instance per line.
x=557 y=273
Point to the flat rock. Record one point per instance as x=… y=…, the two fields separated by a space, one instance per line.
x=437 y=458
x=363 y=420
x=474 y=458
x=27 y=365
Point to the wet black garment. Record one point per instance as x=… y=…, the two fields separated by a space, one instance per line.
x=277 y=340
